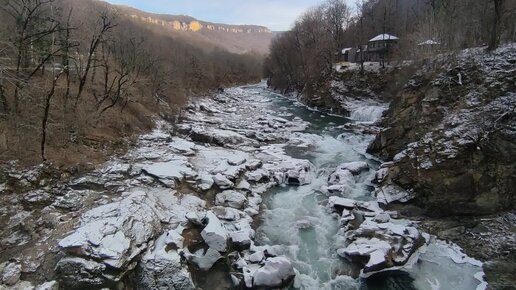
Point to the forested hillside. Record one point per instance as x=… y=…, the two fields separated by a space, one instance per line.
x=76 y=75
x=302 y=59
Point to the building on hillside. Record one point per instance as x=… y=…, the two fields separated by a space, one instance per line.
x=380 y=47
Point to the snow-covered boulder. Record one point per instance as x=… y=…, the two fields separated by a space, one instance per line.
x=339 y=204
x=204 y=182
x=214 y=234
x=222 y=181
x=355 y=168
x=299 y=174
x=227 y=213
x=382 y=246
x=170 y=172
x=291 y=171
x=161 y=268
x=204 y=259
x=231 y=198
x=111 y=236
x=277 y=272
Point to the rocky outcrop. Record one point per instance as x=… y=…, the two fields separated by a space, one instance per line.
x=109 y=241
x=373 y=239
x=450 y=134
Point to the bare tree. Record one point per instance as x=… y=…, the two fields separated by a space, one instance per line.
x=46 y=113
x=105 y=24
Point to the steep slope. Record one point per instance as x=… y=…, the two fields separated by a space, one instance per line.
x=450 y=133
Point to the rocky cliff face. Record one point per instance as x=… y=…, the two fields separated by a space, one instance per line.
x=451 y=134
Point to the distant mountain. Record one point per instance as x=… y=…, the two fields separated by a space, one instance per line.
x=234 y=38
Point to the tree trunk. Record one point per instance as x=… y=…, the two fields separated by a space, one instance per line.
x=3 y=98
x=495 y=32
x=46 y=113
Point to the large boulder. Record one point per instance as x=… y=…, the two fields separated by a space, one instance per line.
x=381 y=246
x=231 y=198
x=276 y=272
x=109 y=240
x=214 y=234
x=161 y=267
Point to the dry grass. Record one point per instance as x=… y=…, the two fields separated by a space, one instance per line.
x=80 y=139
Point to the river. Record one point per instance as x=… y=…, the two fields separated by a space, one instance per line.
x=313 y=248
x=244 y=192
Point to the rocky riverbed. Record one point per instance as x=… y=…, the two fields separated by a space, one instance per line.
x=248 y=191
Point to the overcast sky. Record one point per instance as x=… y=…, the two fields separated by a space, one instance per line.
x=275 y=14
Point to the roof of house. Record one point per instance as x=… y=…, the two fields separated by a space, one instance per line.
x=346 y=50
x=384 y=36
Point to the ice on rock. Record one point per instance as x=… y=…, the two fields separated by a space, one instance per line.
x=219 y=137
x=214 y=234
x=183 y=146
x=231 y=198
x=79 y=273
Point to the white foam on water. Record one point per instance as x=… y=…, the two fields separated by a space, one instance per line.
x=367 y=114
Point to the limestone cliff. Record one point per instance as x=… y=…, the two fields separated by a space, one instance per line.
x=234 y=38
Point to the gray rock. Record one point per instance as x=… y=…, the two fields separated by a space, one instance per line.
x=10 y=274
x=52 y=285
x=79 y=273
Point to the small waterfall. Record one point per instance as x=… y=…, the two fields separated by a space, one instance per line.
x=367 y=114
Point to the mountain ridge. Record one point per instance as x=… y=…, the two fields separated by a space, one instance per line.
x=235 y=38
